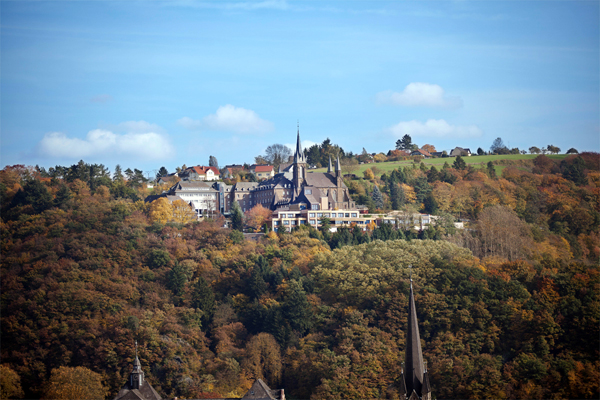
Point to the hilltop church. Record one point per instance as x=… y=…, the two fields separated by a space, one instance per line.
x=295 y=187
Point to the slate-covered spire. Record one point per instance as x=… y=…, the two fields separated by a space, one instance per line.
x=330 y=168
x=299 y=154
x=136 y=378
x=338 y=167
x=414 y=355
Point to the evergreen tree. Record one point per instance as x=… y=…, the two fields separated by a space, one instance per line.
x=237 y=218
x=574 y=170
x=491 y=170
x=422 y=189
x=397 y=196
x=433 y=174
x=212 y=162
x=429 y=204
x=257 y=284
x=203 y=298
x=118 y=175
x=161 y=172
x=459 y=163
x=177 y=279
x=34 y=193
x=377 y=197
x=63 y=197
x=296 y=308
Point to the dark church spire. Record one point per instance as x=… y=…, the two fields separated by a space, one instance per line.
x=299 y=154
x=414 y=367
x=330 y=168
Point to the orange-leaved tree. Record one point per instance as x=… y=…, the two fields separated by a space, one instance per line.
x=257 y=216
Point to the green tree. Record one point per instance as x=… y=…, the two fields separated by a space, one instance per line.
x=257 y=285
x=203 y=298
x=480 y=151
x=553 y=149
x=574 y=170
x=177 y=279
x=459 y=163
x=491 y=170
x=35 y=194
x=161 y=172
x=237 y=217
x=118 y=174
x=377 y=197
x=212 y=161
x=296 y=308
x=534 y=150
x=405 y=143
x=498 y=147
x=572 y=150
x=422 y=189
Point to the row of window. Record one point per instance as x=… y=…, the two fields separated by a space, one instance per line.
x=333 y=215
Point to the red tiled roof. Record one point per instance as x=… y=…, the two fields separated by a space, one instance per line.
x=201 y=170
x=423 y=152
x=263 y=168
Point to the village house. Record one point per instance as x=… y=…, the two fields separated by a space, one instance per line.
x=200 y=173
x=262 y=172
x=459 y=151
x=421 y=152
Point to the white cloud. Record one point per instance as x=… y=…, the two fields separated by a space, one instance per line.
x=136 y=143
x=437 y=128
x=419 y=94
x=231 y=119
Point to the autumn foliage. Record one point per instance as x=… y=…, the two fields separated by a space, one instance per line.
x=507 y=309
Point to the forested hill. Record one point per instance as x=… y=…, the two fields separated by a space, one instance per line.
x=85 y=273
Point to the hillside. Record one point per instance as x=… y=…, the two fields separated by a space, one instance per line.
x=508 y=310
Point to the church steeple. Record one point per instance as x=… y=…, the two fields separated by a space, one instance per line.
x=299 y=154
x=299 y=178
x=136 y=377
x=415 y=374
x=330 y=168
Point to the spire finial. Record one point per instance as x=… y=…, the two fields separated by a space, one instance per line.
x=410 y=274
x=136 y=349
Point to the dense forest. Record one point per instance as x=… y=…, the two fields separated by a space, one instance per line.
x=508 y=308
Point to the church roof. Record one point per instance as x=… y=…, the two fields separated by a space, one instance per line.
x=260 y=391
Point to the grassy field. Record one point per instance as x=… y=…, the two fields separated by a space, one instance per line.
x=475 y=161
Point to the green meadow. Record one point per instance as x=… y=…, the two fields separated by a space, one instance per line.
x=474 y=160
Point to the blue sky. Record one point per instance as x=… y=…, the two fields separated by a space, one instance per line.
x=147 y=84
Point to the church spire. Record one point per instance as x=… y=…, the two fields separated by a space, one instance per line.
x=299 y=154
x=330 y=168
x=136 y=378
x=414 y=356
x=338 y=167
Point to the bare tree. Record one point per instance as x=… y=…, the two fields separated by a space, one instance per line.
x=277 y=154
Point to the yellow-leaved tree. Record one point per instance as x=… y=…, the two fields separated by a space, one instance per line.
x=161 y=210
x=10 y=383
x=263 y=359
x=182 y=212
x=68 y=383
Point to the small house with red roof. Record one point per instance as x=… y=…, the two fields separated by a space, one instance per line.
x=200 y=173
x=262 y=172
